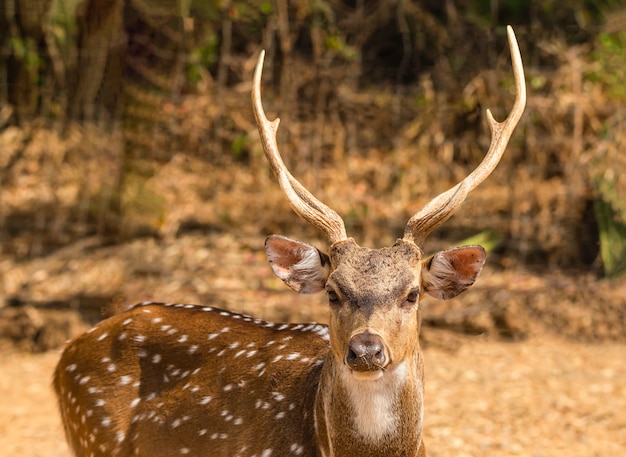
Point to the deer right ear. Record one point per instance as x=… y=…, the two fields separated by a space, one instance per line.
x=448 y=273
x=301 y=266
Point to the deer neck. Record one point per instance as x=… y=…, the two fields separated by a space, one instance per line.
x=370 y=417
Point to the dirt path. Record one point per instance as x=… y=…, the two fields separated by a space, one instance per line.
x=540 y=398
x=29 y=423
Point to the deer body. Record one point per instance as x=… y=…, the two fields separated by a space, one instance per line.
x=204 y=381
x=166 y=380
x=225 y=386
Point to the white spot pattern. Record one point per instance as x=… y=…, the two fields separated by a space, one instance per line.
x=217 y=343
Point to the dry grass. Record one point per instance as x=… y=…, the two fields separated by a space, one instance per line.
x=375 y=156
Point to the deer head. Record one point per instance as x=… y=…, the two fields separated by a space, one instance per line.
x=374 y=294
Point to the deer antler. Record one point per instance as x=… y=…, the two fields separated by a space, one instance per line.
x=439 y=209
x=301 y=200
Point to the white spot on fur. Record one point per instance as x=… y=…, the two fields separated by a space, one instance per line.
x=296 y=449
x=278 y=396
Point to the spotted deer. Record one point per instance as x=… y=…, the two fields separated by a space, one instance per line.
x=174 y=379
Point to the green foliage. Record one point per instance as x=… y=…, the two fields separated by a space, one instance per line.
x=338 y=44
x=610 y=212
x=612 y=232
x=63 y=23
x=266 y=8
x=608 y=175
x=610 y=69
x=488 y=239
x=607 y=187
x=240 y=143
x=25 y=50
x=202 y=56
x=609 y=166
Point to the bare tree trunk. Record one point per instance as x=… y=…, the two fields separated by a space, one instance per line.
x=151 y=65
x=129 y=59
x=22 y=39
x=95 y=86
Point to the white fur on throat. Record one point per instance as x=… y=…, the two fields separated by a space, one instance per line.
x=375 y=401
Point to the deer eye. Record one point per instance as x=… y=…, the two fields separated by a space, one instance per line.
x=333 y=298
x=413 y=296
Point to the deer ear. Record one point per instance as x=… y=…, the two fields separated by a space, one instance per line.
x=448 y=273
x=301 y=266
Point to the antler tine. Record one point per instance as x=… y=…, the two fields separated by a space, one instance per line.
x=443 y=207
x=301 y=200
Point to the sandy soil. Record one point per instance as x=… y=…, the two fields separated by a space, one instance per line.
x=544 y=397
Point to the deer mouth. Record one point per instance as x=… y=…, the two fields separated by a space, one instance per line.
x=367 y=375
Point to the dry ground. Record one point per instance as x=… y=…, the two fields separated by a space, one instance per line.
x=544 y=397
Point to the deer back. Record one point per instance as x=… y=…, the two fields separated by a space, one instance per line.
x=165 y=380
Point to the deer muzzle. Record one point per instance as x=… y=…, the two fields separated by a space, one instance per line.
x=366 y=353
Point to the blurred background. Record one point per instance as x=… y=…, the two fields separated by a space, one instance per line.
x=131 y=169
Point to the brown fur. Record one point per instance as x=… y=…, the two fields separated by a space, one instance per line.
x=164 y=380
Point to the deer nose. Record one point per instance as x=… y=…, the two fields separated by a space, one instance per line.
x=366 y=352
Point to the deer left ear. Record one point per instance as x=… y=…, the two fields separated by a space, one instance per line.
x=448 y=273
x=301 y=266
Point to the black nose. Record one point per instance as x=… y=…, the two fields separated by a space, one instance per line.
x=366 y=352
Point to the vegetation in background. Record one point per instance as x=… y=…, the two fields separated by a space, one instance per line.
x=608 y=70
x=383 y=100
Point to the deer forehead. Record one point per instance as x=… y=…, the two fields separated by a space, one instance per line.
x=376 y=275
